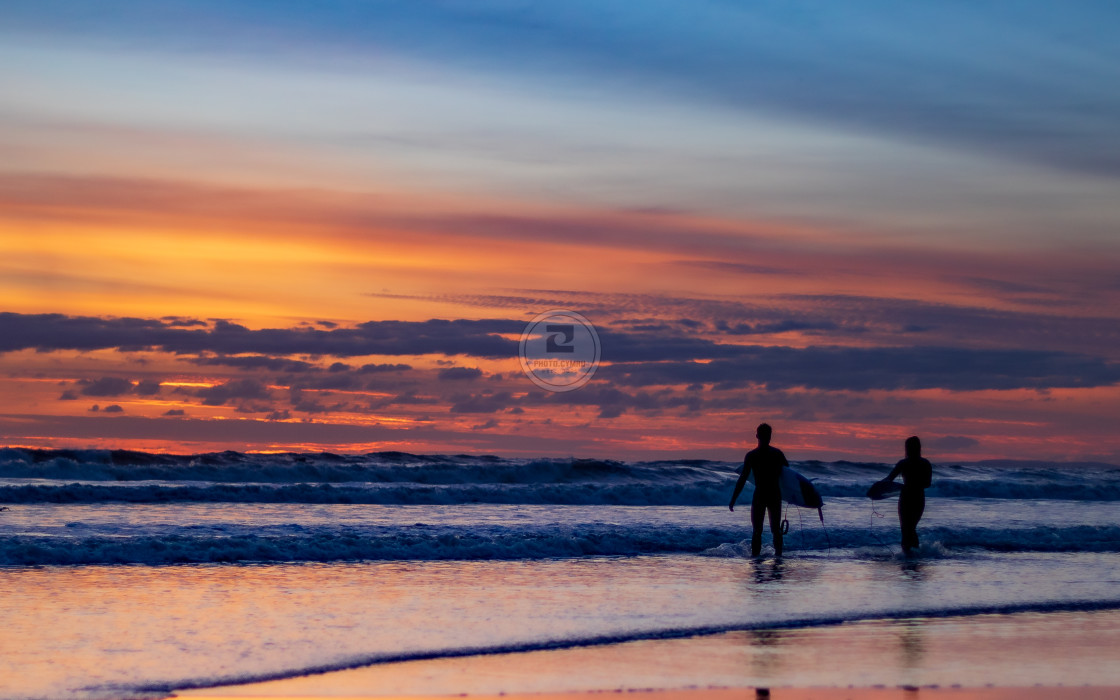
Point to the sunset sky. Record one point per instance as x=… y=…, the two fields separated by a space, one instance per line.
x=267 y=225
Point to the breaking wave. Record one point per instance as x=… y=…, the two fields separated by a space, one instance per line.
x=419 y=542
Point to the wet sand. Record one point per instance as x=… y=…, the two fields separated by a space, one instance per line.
x=1011 y=693
x=984 y=657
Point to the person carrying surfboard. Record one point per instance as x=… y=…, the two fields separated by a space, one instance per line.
x=917 y=475
x=766 y=462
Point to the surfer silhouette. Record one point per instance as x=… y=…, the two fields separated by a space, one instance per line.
x=917 y=475
x=766 y=462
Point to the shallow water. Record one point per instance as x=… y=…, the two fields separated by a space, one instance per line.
x=1020 y=650
x=121 y=630
x=131 y=574
x=164 y=533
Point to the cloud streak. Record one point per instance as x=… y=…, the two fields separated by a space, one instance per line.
x=867 y=369
x=1028 y=82
x=47 y=332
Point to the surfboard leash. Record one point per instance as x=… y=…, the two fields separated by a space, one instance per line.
x=801 y=527
x=871 y=525
x=827 y=539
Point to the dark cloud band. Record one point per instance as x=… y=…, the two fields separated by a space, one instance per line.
x=866 y=369
x=47 y=332
x=633 y=358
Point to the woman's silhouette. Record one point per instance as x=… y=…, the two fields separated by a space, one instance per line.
x=917 y=474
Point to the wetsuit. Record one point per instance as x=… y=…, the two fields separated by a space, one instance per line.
x=917 y=474
x=766 y=462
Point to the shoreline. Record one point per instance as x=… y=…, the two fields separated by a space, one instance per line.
x=1042 y=692
x=947 y=659
x=683 y=635
x=197 y=631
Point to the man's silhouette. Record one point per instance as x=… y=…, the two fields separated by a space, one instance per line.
x=917 y=475
x=766 y=462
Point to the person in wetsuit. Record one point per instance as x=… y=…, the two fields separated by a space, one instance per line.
x=766 y=462
x=917 y=475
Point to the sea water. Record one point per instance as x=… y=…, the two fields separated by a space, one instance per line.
x=126 y=574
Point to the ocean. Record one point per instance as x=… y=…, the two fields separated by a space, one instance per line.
x=129 y=574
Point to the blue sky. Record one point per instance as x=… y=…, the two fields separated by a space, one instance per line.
x=994 y=120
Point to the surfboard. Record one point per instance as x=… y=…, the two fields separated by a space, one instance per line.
x=883 y=489
x=797 y=490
